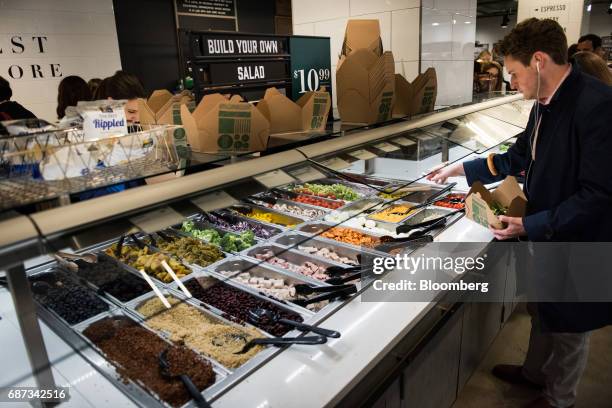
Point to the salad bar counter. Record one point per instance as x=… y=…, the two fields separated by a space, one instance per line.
x=250 y=287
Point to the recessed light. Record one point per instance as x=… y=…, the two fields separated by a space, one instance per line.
x=435 y=24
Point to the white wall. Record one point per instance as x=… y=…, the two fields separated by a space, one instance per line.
x=399 y=25
x=448 y=36
x=598 y=21
x=81 y=39
x=489 y=30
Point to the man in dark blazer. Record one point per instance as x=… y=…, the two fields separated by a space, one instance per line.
x=566 y=154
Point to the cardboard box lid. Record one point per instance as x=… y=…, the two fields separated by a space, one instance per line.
x=158 y=99
x=362 y=34
x=283 y=114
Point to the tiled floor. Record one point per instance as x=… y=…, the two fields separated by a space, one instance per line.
x=484 y=390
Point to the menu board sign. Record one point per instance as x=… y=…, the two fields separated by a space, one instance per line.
x=207 y=8
x=240 y=72
x=238 y=45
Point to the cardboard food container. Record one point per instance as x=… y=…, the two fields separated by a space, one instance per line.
x=221 y=125
x=365 y=85
x=285 y=116
x=479 y=200
x=416 y=97
x=163 y=107
x=362 y=34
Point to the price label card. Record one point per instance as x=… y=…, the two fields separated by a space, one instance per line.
x=386 y=147
x=157 y=219
x=214 y=201
x=403 y=141
x=307 y=174
x=336 y=164
x=274 y=178
x=362 y=154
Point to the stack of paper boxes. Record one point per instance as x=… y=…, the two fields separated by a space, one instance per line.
x=365 y=76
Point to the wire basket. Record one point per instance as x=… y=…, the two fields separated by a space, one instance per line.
x=46 y=165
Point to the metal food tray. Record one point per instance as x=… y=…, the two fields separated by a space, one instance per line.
x=201 y=224
x=360 y=189
x=288 y=221
x=99 y=250
x=325 y=199
x=296 y=204
x=51 y=268
x=134 y=390
x=291 y=256
x=265 y=270
x=192 y=266
x=275 y=229
x=426 y=212
x=196 y=304
x=294 y=240
x=315 y=229
x=418 y=197
x=393 y=205
x=365 y=204
x=104 y=293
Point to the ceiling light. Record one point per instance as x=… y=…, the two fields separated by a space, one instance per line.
x=610 y=8
x=589 y=7
x=467 y=22
x=435 y=24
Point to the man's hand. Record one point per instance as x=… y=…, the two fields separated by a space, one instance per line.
x=513 y=230
x=440 y=174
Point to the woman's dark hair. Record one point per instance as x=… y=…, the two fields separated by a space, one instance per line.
x=93 y=85
x=71 y=90
x=120 y=86
x=5 y=90
x=532 y=35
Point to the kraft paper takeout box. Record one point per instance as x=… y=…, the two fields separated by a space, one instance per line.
x=365 y=85
x=416 y=97
x=362 y=34
x=163 y=107
x=285 y=116
x=508 y=194
x=221 y=125
x=365 y=75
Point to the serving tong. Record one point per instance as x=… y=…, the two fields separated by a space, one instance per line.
x=164 y=367
x=337 y=293
x=259 y=315
x=282 y=341
x=426 y=226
